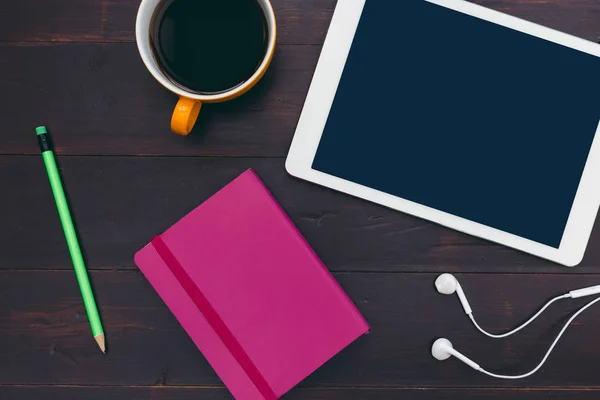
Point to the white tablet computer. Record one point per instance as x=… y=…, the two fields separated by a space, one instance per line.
x=460 y=115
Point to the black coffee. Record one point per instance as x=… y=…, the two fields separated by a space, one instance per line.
x=209 y=46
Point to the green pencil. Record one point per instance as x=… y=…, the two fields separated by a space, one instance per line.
x=71 y=236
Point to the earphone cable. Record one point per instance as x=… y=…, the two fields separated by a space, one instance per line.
x=549 y=350
x=530 y=320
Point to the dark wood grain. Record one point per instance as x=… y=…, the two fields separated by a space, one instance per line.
x=46 y=337
x=120 y=203
x=300 y=21
x=100 y=99
x=173 y=393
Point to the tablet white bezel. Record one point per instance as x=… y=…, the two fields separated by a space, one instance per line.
x=322 y=93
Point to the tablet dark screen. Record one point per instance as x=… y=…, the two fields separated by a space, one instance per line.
x=464 y=116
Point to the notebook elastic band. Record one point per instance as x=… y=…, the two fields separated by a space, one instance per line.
x=213 y=319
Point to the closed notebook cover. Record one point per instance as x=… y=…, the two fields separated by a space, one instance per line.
x=250 y=292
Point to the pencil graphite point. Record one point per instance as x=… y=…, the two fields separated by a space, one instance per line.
x=101 y=343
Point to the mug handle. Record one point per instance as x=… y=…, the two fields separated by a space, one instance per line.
x=185 y=115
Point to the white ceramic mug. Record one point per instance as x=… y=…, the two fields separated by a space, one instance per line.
x=188 y=107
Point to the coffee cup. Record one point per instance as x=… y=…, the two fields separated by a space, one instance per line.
x=184 y=64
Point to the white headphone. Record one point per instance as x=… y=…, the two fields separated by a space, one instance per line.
x=442 y=348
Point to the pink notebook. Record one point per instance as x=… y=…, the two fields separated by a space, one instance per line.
x=250 y=292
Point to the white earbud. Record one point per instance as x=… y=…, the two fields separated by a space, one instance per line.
x=447 y=284
x=442 y=350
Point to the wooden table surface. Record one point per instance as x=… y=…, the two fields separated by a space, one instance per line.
x=73 y=65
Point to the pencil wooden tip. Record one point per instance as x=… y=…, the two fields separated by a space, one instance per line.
x=101 y=343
